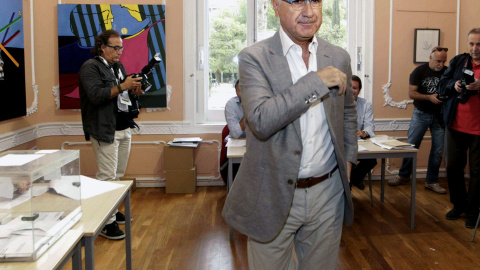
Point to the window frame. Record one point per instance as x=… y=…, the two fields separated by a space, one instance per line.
x=195 y=99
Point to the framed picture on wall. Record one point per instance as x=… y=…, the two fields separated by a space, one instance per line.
x=425 y=40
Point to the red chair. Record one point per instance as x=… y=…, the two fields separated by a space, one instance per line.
x=223 y=155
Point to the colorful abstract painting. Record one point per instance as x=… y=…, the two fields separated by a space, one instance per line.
x=143 y=31
x=12 y=63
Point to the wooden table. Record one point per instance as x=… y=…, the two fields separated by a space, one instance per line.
x=375 y=151
x=235 y=155
x=97 y=211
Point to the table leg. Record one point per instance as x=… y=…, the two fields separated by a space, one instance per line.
x=476 y=227
x=412 y=196
x=229 y=185
x=77 y=257
x=370 y=187
x=128 y=234
x=383 y=180
x=88 y=242
x=230 y=174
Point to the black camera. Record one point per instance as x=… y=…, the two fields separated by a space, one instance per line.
x=442 y=97
x=467 y=78
x=147 y=70
x=134 y=109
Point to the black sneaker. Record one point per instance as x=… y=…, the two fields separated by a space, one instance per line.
x=471 y=221
x=112 y=232
x=454 y=214
x=120 y=218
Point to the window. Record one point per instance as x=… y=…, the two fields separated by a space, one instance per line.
x=225 y=27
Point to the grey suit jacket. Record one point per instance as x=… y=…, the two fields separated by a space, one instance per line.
x=260 y=198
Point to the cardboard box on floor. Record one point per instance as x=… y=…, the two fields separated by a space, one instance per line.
x=181 y=181
x=178 y=158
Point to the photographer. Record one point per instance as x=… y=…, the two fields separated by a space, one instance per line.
x=463 y=129
x=427 y=114
x=106 y=96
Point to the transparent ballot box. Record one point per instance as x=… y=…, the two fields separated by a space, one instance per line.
x=39 y=200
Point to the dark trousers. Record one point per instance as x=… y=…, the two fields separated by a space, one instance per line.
x=361 y=170
x=459 y=146
x=224 y=172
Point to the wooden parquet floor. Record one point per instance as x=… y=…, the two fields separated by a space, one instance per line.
x=186 y=231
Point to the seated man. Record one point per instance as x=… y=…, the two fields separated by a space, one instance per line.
x=365 y=130
x=234 y=115
x=236 y=125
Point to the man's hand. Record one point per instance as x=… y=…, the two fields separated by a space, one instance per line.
x=131 y=83
x=474 y=86
x=458 y=86
x=332 y=77
x=433 y=98
x=137 y=91
x=361 y=134
x=242 y=123
x=349 y=170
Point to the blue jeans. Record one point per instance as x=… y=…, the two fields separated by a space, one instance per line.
x=419 y=124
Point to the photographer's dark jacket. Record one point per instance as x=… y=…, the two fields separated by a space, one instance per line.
x=446 y=86
x=99 y=111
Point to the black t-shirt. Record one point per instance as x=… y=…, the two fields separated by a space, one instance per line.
x=426 y=79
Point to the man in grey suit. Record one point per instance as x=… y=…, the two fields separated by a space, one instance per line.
x=292 y=187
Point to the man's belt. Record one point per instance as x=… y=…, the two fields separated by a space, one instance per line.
x=312 y=181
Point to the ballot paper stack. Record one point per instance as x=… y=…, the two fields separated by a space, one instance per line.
x=185 y=142
x=390 y=143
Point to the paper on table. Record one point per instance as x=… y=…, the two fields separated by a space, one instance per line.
x=38 y=190
x=18 y=160
x=236 y=142
x=362 y=148
x=183 y=144
x=92 y=187
x=16 y=236
x=190 y=139
x=392 y=144
x=68 y=186
x=46 y=151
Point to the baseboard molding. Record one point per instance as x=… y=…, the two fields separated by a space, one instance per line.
x=161 y=183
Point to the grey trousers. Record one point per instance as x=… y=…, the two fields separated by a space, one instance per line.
x=313 y=228
x=112 y=158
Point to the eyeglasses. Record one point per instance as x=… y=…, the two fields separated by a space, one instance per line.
x=440 y=49
x=116 y=48
x=300 y=4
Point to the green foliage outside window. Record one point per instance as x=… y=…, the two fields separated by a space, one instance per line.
x=228 y=29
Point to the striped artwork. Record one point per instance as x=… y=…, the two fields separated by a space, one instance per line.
x=143 y=31
x=12 y=60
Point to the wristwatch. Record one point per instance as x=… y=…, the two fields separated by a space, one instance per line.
x=120 y=88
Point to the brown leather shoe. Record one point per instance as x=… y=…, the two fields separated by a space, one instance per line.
x=398 y=180
x=435 y=188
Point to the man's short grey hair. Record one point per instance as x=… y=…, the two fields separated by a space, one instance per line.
x=474 y=31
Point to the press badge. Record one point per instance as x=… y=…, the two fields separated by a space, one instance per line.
x=125 y=99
